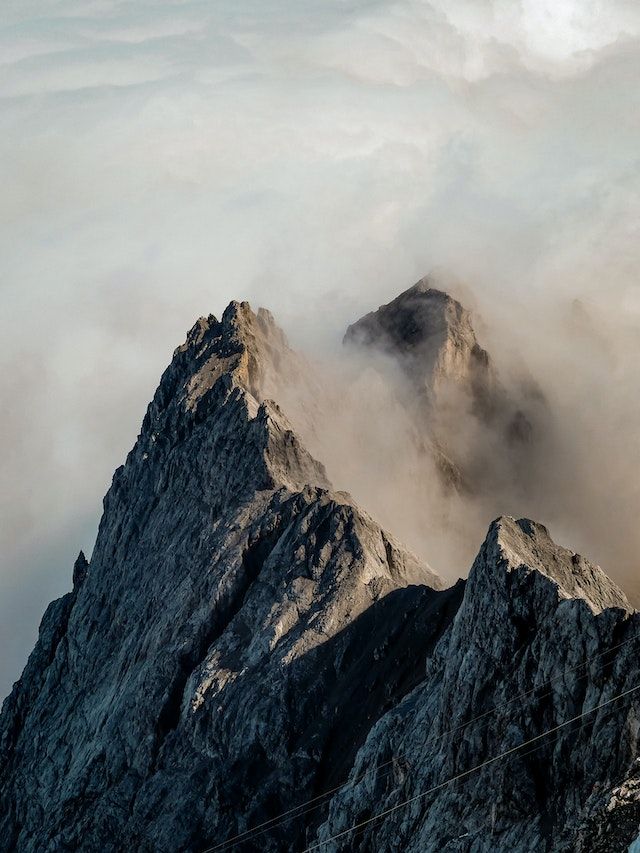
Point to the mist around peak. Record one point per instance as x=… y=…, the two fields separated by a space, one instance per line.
x=316 y=160
x=397 y=422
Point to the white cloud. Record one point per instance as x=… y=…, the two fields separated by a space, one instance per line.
x=158 y=159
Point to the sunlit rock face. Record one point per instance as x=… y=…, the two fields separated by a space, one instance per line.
x=244 y=639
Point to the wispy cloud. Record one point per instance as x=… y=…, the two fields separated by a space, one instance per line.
x=160 y=158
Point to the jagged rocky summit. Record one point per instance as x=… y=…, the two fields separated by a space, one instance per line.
x=452 y=380
x=432 y=336
x=245 y=639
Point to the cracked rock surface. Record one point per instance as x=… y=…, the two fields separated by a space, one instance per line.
x=206 y=667
x=245 y=638
x=541 y=637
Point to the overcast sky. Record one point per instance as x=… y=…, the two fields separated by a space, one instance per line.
x=160 y=158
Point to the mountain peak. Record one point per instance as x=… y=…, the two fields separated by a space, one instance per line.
x=525 y=545
x=427 y=286
x=247 y=347
x=245 y=637
x=233 y=619
x=419 y=313
x=431 y=334
x=451 y=379
x=214 y=397
x=541 y=639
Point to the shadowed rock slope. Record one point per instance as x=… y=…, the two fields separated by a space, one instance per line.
x=215 y=661
x=541 y=638
x=245 y=638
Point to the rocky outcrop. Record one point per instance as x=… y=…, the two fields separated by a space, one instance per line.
x=249 y=656
x=432 y=337
x=453 y=390
x=236 y=632
x=515 y=735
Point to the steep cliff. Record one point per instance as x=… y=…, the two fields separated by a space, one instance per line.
x=452 y=387
x=516 y=735
x=215 y=660
x=248 y=656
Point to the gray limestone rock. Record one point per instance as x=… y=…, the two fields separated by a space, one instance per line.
x=238 y=628
x=486 y=756
x=245 y=639
x=432 y=336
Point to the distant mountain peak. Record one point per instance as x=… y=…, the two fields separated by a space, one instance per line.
x=450 y=379
x=432 y=336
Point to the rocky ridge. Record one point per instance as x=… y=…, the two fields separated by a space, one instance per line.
x=245 y=638
x=541 y=636
x=185 y=670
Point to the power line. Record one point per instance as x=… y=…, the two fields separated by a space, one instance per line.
x=316 y=802
x=485 y=823
x=466 y=773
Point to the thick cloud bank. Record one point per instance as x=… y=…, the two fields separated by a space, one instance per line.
x=315 y=157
